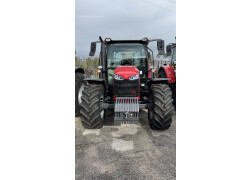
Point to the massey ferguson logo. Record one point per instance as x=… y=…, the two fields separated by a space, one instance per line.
x=126 y=114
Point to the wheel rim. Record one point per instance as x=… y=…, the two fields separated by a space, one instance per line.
x=80 y=93
x=102 y=112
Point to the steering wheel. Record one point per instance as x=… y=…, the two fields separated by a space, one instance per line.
x=126 y=62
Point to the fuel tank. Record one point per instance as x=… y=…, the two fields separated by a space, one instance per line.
x=126 y=82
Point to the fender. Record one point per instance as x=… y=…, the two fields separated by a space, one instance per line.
x=79 y=70
x=94 y=80
x=169 y=71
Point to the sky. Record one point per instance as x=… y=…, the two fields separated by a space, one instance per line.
x=123 y=19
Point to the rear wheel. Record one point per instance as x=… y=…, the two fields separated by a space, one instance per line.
x=79 y=86
x=92 y=115
x=162 y=74
x=161 y=109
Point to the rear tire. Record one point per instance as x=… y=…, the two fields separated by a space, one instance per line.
x=78 y=87
x=92 y=115
x=162 y=74
x=161 y=108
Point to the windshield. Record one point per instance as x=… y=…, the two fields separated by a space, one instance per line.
x=126 y=54
x=132 y=54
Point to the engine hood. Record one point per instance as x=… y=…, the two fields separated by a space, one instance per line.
x=126 y=71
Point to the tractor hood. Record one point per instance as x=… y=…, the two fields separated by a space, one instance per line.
x=126 y=71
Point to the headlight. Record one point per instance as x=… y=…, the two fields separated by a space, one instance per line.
x=117 y=77
x=134 y=77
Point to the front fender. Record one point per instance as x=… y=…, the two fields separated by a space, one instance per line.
x=157 y=81
x=94 y=80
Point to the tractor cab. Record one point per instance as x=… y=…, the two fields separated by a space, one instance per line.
x=124 y=58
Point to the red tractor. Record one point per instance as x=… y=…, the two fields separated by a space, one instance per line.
x=126 y=84
x=169 y=70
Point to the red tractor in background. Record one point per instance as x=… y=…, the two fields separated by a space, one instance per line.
x=126 y=84
x=169 y=70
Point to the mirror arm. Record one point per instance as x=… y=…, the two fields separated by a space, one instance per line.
x=100 y=39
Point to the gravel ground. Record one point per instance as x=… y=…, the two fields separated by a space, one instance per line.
x=127 y=151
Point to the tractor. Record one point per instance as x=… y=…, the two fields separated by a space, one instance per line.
x=126 y=84
x=169 y=70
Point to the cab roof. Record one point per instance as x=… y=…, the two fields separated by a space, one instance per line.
x=142 y=41
x=126 y=41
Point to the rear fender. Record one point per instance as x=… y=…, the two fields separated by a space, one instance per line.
x=169 y=71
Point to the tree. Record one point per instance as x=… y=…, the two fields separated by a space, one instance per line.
x=89 y=65
x=79 y=62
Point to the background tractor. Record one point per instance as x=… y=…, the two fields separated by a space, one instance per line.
x=126 y=84
x=169 y=70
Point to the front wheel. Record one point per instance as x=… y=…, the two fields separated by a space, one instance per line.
x=92 y=114
x=161 y=108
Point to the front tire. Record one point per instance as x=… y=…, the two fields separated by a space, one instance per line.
x=92 y=115
x=161 y=109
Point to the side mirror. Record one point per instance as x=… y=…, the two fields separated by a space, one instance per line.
x=160 y=47
x=169 y=50
x=92 y=49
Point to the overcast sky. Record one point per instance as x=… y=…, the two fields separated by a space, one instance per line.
x=123 y=19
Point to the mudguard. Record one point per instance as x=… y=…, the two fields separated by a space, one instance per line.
x=169 y=71
x=94 y=80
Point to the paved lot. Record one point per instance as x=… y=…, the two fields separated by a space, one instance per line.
x=127 y=151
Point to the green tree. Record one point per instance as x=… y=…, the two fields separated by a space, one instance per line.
x=79 y=62
x=89 y=65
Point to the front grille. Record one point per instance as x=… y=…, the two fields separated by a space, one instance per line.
x=126 y=88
